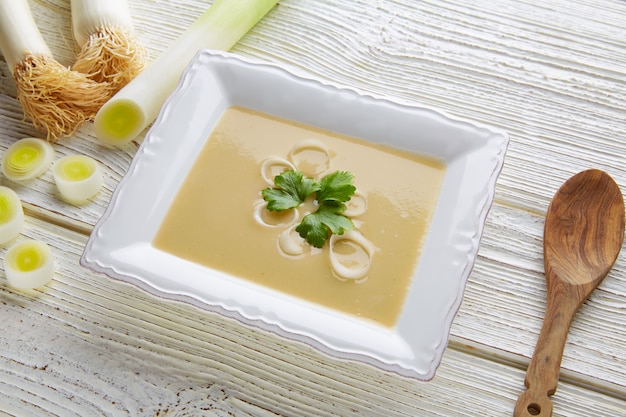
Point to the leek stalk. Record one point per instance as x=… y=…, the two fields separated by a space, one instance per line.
x=137 y=105
x=56 y=99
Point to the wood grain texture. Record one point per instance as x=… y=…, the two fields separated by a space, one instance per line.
x=552 y=74
x=89 y=345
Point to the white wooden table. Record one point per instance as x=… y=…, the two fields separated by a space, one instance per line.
x=551 y=73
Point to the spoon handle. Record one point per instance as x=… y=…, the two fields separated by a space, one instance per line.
x=542 y=375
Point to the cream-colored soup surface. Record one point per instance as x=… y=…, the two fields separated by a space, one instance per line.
x=211 y=221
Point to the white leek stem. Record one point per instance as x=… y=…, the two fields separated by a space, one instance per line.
x=88 y=16
x=19 y=35
x=137 y=105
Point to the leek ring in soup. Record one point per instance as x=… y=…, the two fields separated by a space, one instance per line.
x=357 y=205
x=311 y=157
x=11 y=215
x=273 y=166
x=29 y=264
x=27 y=158
x=354 y=265
x=267 y=218
x=291 y=245
x=78 y=177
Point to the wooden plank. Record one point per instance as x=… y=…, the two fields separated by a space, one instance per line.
x=559 y=93
x=89 y=345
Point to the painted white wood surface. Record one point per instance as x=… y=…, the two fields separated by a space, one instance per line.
x=553 y=74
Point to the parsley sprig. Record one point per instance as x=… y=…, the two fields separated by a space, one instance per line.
x=292 y=188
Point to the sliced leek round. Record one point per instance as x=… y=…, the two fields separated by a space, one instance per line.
x=11 y=215
x=310 y=156
x=357 y=204
x=351 y=256
x=27 y=158
x=267 y=218
x=29 y=264
x=78 y=177
x=273 y=166
x=291 y=245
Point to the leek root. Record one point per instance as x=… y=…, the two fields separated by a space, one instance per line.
x=109 y=49
x=55 y=99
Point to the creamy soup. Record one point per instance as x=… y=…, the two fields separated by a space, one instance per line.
x=212 y=219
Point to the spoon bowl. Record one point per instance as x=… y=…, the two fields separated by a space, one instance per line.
x=583 y=235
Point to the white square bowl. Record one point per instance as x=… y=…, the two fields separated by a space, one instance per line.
x=121 y=243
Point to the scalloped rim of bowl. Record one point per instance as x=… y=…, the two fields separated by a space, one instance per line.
x=473 y=154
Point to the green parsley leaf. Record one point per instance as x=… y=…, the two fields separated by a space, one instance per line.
x=316 y=227
x=336 y=187
x=292 y=188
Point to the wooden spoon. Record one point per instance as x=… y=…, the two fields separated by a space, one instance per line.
x=583 y=235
